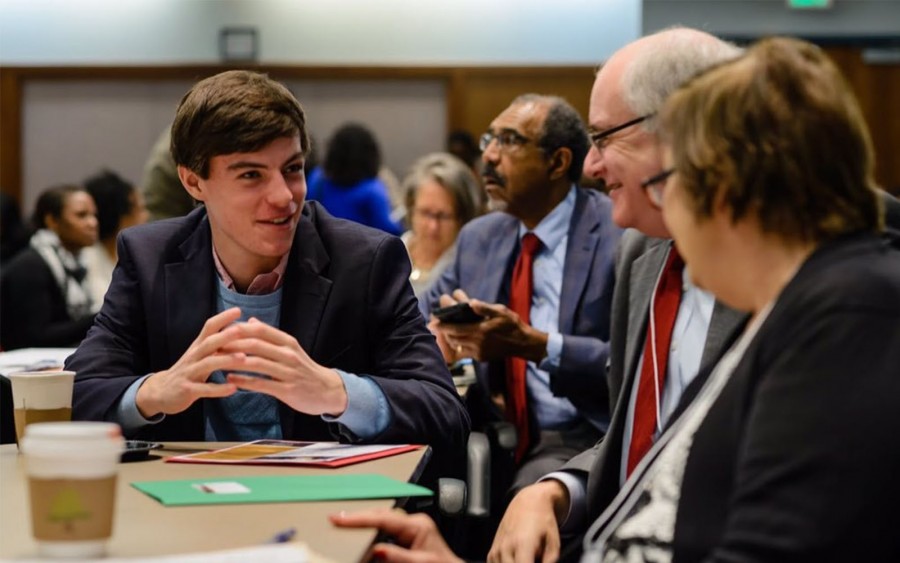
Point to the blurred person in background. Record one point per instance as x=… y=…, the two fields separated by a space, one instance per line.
x=119 y=205
x=44 y=294
x=163 y=192
x=347 y=182
x=461 y=144
x=13 y=233
x=442 y=195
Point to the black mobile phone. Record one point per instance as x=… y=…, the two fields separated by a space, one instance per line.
x=461 y=313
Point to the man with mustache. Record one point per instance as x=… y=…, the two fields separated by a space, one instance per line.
x=533 y=153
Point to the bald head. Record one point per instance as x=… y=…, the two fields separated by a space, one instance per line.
x=654 y=66
x=633 y=84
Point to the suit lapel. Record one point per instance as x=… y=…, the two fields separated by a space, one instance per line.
x=584 y=235
x=305 y=295
x=189 y=291
x=305 y=290
x=496 y=259
x=723 y=325
x=644 y=273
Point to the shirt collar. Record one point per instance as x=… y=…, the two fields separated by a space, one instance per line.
x=261 y=284
x=554 y=227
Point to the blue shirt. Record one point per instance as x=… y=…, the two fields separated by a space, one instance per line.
x=550 y=412
x=365 y=202
x=685 y=352
x=367 y=415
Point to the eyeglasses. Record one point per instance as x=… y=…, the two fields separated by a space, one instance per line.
x=506 y=139
x=654 y=186
x=440 y=217
x=601 y=139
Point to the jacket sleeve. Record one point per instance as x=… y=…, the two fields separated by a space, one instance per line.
x=406 y=362
x=113 y=355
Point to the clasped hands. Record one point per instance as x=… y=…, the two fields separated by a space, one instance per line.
x=500 y=335
x=253 y=346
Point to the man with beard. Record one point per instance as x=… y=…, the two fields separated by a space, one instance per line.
x=539 y=270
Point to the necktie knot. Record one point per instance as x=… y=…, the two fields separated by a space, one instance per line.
x=530 y=244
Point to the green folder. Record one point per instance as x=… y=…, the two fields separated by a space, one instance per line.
x=287 y=488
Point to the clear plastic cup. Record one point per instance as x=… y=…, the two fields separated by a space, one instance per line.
x=72 y=468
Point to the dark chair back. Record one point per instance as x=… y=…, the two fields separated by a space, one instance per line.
x=7 y=417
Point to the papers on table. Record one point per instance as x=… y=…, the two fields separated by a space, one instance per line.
x=277 y=488
x=284 y=452
x=32 y=359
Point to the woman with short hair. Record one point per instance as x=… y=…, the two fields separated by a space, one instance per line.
x=441 y=195
x=789 y=450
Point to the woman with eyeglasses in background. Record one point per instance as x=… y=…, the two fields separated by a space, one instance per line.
x=441 y=195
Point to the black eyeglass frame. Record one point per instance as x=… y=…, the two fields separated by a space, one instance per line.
x=654 y=184
x=520 y=140
x=597 y=138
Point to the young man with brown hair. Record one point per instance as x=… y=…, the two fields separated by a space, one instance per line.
x=256 y=316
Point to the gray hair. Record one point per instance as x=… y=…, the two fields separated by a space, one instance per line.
x=670 y=58
x=451 y=173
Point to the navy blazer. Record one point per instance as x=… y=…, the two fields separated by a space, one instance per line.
x=486 y=249
x=346 y=299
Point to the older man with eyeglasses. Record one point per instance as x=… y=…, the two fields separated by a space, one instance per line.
x=539 y=271
x=663 y=328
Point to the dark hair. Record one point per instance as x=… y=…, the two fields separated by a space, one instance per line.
x=461 y=144
x=352 y=155
x=563 y=128
x=113 y=197
x=13 y=234
x=52 y=202
x=778 y=135
x=234 y=111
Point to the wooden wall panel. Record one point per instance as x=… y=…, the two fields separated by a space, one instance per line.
x=484 y=93
x=475 y=95
x=877 y=87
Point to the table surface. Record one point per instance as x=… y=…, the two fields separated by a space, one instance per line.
x=143 y=527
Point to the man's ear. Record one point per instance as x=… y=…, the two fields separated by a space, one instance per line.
x=560 y=161
x=191 y=182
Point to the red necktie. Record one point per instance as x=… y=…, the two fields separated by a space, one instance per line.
x=668 y=296
x=520 y=302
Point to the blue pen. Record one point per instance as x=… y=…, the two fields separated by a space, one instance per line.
x=283 y=536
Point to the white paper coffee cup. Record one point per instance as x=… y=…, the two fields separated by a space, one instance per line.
x=41 y=396
x=72 y=468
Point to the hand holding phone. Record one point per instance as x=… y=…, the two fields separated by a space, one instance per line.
x=460 y=313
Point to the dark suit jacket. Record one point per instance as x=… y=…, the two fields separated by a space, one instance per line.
x=487 y=248
x=638 y=264
x=797 y=459
x=891 y=217
x=346 y=299
x=34 y=307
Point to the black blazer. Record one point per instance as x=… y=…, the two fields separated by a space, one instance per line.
x=34 y=307
x=346 y=299
x=798 y=457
